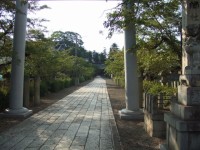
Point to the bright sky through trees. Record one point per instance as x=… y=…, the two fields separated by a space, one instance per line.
x=83 y=17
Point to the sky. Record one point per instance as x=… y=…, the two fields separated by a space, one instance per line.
x=83 y=17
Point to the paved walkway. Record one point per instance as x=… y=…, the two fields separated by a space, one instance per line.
x=80 y=121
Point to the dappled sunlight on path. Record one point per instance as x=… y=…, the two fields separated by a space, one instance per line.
x=81 y=121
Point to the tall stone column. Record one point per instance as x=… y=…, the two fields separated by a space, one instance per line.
x=16 y=108
x=183 y=122
x=132 y=110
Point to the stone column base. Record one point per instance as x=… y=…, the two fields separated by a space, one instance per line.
x=16 y=113
x=131 y=115
x=181 y=134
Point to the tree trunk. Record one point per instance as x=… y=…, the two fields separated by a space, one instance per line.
x=37 y=90
x=26 y=91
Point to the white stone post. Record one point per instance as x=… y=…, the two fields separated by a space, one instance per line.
x=132 y=110
x=16 y=108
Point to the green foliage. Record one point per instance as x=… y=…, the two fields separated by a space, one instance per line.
x=56 y=68
x=152 y=63
x=158 y=31
x=7 y=9
x=119 y=81
x=56 y=85
x=43 y=88
x=66 y=40
x=81 y=79
x=65 y=79
x=67 y=82
x=157 y=28
x=156 y=88
x=115 y=64
x=4 y=97
x=82 y=68
x=43 y=58
x=114 y=47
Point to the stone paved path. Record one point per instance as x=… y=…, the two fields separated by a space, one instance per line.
x=80 y=121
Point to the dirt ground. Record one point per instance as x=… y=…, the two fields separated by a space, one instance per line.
x=132 y=134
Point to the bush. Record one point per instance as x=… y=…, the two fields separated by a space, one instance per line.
x=67 y=82
x=156 y=88
x=4 y=98
x=43 y=88
x=119 y=81
x=59 y=84
x=32 y=89
x=82 y=79
x=56 y=85
x=72 y=82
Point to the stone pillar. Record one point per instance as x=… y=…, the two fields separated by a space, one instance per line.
x=16 y=108
x=183 y=122
x=132 y=110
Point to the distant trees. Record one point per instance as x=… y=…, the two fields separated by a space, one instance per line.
x=115 y=64
x=72 y=42
x=114 y=47
x=53 y=69
x=66 y=40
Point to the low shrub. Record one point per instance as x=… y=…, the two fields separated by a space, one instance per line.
x=156 y=88
x=119 y=81
x=67 y=82
x=59 y=84
x=56 y=85
x=73 y=82
x=43 y=88
x=4 y=98
x=82 y=79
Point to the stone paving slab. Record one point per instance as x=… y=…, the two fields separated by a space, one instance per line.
x=80 y=121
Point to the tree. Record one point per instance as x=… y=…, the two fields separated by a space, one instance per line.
x=36 y=65
x=102 y=58
x=152 y=64
x=89 y=56
x=66 y=40
x=115 y=64
x=95 y=57
x=7 y=13
x=152 y=23
x=82 y=68
x=43 y=62
x=113 y=48
x=158 y=31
